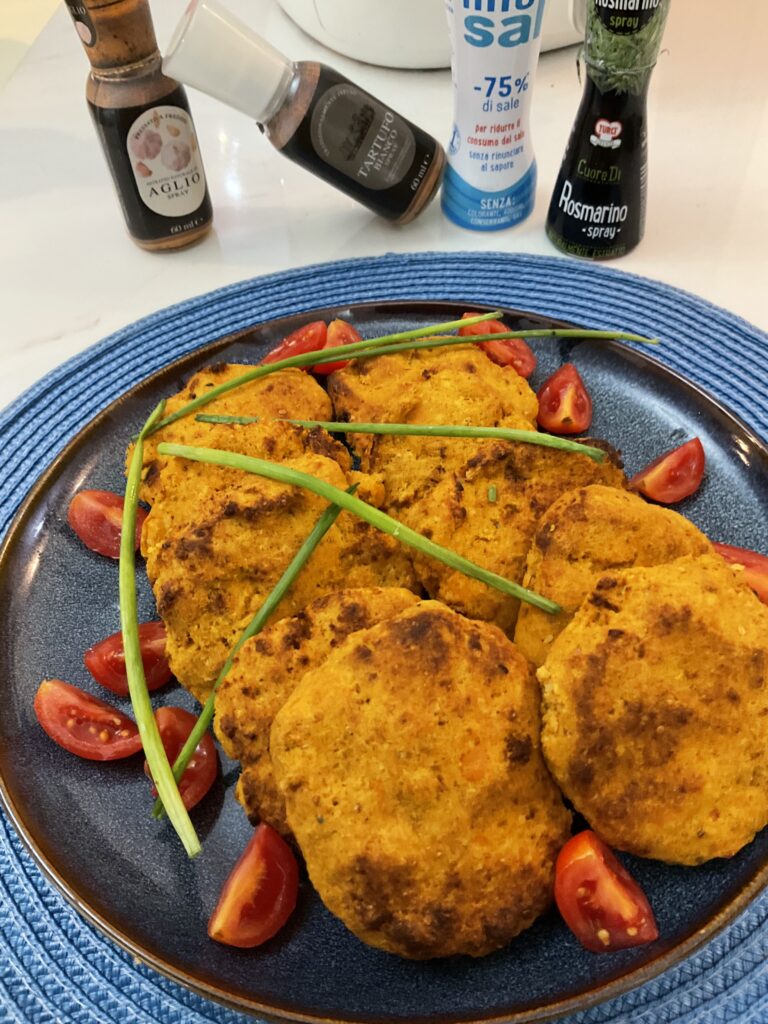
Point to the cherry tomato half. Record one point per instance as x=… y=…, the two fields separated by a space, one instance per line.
x=339 y=333
x=509 y=352
x=106 y=659
x=564 y=403
x=97 y=518
x=309 y=338
x=755 y=567
x=260 y=893
x=84 y=725
x=674 y=475
x=175 y=725
x=600 y=902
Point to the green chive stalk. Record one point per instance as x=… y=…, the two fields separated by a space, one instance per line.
x=157 y=759
x=403 y=342
x=429 y=430
x=257 y=623
x=380 y=520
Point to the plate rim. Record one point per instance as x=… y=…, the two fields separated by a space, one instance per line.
x=610 y=989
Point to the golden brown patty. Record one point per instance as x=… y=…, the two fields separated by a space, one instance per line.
x=454 y=385
x=414 y=784
x=288 y=393
x=217 y=540
x=178 y=490
x=268 y=669
x=488 y=511
x=212 y=572
x=585 y=533
x=656 y=710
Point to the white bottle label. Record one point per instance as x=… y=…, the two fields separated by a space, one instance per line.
x=490 y=181
x=166 y=161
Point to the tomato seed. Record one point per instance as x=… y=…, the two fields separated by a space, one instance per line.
x=92 y=729
x=104 y=736
x=71 y=723
x=604 y=936
x=632 y=931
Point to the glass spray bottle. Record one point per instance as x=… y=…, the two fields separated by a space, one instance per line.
x=310 y=113
x=143 y=122
x=598 y=206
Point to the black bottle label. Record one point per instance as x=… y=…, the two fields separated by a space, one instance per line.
x=361 y=146
x=361 y=137
x=598 y=206
x=83 y=23
x=625 y=17
x=153 y=155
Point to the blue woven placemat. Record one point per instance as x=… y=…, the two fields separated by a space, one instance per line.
x=53 y=966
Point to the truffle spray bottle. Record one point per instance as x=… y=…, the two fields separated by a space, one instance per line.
x=311 y=113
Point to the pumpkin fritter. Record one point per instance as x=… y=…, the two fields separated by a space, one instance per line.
x=457 y=385
x=289 y=393
x=414 y=783
x=585 y=533
x=217 y=540
x=267 y=670
x=655 y=702
x=488 y=510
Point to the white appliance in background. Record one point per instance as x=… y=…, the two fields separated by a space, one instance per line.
x=410 y=33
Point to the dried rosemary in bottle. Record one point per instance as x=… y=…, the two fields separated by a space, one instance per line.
x=597 y=210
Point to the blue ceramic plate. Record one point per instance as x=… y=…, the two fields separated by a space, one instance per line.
x=88 y=825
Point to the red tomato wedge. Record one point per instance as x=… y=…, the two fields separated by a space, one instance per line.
x=674 y=475
x=755 y=567
x=175 y=725
x=97 y=517
x=509 y=352
x=260 y=893
x=106 y=659
x=564 y=403
x=310 y=338
x=600 y=902
x=339 y=333
x=84 y=725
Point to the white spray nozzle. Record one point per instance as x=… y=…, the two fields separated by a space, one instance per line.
x=215 y=52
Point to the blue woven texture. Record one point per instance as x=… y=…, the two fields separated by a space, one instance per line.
x=53 y=966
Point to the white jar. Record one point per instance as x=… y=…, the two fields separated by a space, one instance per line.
x=410 y=33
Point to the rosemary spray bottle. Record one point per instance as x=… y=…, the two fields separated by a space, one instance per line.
x=597 y=210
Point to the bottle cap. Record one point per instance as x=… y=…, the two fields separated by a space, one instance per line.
x=214 y=51
x=115 y=33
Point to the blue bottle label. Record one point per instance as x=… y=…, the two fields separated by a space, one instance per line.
x=470 y=207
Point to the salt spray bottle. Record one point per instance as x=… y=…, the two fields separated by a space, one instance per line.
x=490 y=179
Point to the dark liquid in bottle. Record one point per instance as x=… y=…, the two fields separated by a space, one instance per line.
x=598 y=205
x=144 y=223
x=355 y=142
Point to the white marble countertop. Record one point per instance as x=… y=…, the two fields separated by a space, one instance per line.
x=70 y=275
